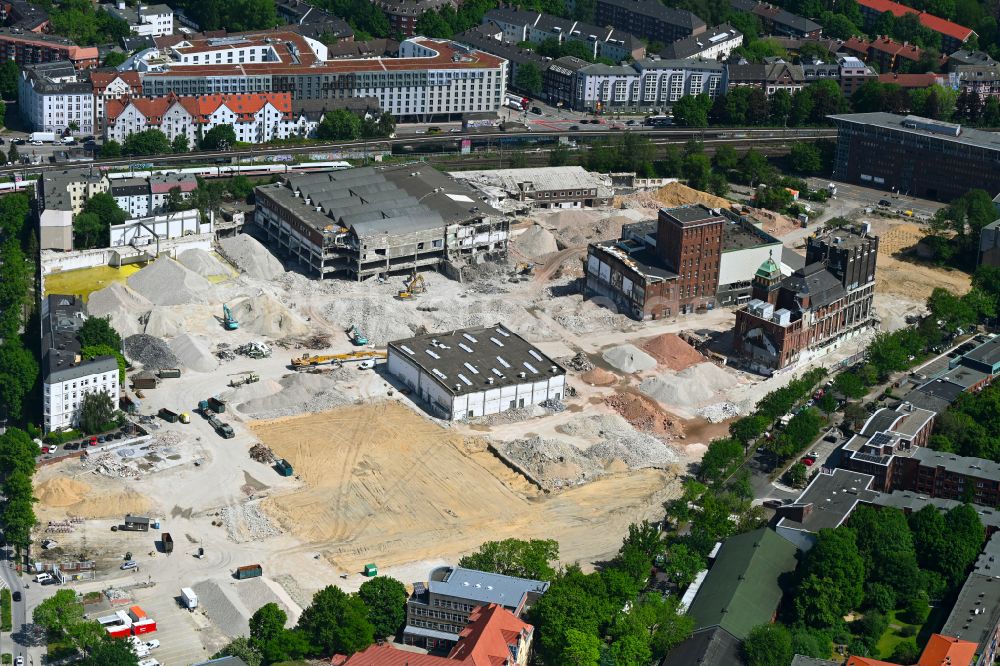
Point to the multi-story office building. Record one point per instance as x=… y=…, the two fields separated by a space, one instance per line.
x=559 y=80
x=430 y=78
x=439 y=610
x=66 y=377
x=255 y=117
x=29 y=48
x=915 y=156
x=144 y=20
x=645 y=84
x=525 y=26
x=713 y=44
x=792 y=318
x=953 y=35
x=52 y=97
x=649 y=19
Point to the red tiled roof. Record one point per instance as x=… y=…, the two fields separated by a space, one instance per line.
x=386 y=655
x=911 y=80
x=935 y=23
x=102 y=80
x=941 y=650
x=244 y=105
x=484 y=641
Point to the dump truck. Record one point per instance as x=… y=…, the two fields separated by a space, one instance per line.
x=169 y=373
x=189 y=598
x=167 y=541
x=249 y=571
x=168 y=415
x=284 y=467
x=217 y=405
x=224 y=429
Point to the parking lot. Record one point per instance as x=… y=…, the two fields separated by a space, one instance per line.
x=179 y=631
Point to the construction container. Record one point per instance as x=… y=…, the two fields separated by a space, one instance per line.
x=249 y=571
x=189 y=597
x=284 y=467
x=168 y=542
x=169 y=373
x=144 y=380
x=371 y=570
x=217 y=405
x=168 y=415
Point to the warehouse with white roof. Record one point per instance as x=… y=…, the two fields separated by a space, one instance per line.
x=475 y=371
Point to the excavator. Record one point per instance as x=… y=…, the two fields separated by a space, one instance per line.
x=307 y=361
x=358 y=339
x=415 y=286
x=228 y=320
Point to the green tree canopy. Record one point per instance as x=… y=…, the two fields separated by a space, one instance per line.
x=529 y=78
x=831 y=579
x=768 y=645
x=147 y=142
x=97 y=332
x=336 y=622
x=339 y=125
x=267 y=623
x=220 y=137
x=385 y=598
x=515 y=557
x=96 y=412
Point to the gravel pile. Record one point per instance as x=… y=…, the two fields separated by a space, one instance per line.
x=193 y=353
x=264 y=315
x=164 y=323
x=580 y=362
x=629 y=358
x=692 y=387
x=251 y=257
x=166 y=282
x=246 y=522
x=202 y=263
x=535 y=242
x=123 y=306
x=509 y=416
x=220 y=610
x=255 y=593
x=151 y=352
x=300 y=392
x=720 y=411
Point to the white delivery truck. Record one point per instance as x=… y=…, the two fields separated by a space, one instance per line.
x=190 y=598
x=44 y=137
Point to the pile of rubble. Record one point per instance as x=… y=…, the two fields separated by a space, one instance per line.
x=554 y=406
x=580 y=362
x=246 y=523
x=223 y=352
x=113 y=594
x=152 y=353
x=262 y=453
x=508 y=416
x=254 y=349
x=720 y=411
x=109 y=464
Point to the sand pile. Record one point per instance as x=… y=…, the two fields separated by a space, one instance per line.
x=673 y=352
x=300 y=392
x=124 y=307
x=264 y=315
x=629 y=358
x=151 y=352
x=251 y=257
x=61 y=491
x=166 y=282
x=535 y=242
x=193 y=353
x=676 y=194
x=164 y=323
x=599 y=377
x=202 y=263
x=693 y=387
x=645 y=415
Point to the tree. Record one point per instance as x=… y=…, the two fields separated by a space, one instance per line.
x=111 y=652
x=111 y=149
x=779 y=107
x=148 y=142
x=59 y=612
x=692 y=110
x=581 y=649
x=528 y=78
x=515 y=557
x=918 y=608
x=754 y=167
x=748 y=428
x=559 y=155
x=720 y=459
x=773 y=198
x=850 y=385
x=97 y=331
x=905 y=652
x=286 y=646
x=179 y=144
x=96 y=412
x=683 y=565
x=339 y=124
x=885 y=543
x=17 y=452
x=267 y=623
x=89 y=231
x=385 y=598
x=768 y=645
x=10 y=75
x=831 y=579
x=12 y=155
x=223 y=137
x=88 y=353
x=805 y=158
x=114 y=58
x=241 y=647
x=797 y=475
x=18 y=372
x=697 y=171
x=336 y=622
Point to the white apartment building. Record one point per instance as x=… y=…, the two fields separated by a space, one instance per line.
x=646 y=83
x=112 y=85
x=144 y=20
x=714 y=44
x=429 y=79
x=51 y=98
x=66 y=378
x=61 y=195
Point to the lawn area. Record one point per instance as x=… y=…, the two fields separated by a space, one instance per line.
x=893 y=636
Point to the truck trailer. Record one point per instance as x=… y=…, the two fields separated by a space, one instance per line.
x=189 y=598
x=44 y=137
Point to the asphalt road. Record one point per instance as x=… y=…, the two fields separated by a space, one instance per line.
x=19 y=609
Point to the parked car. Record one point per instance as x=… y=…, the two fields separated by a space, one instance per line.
x=130 y=564
x=16 y=596
x=574 y=128
x=50 y=581
x=19 y=661
x=100 y=439
x=535 y=110
x=807 y=461
x=153 y=644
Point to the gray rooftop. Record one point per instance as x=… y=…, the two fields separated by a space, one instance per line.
x=956 y=464
x=639 y=256
x=925 y=127
x=693 y=214
x=483 y=587
x=800 y=660
x=909 y=501
x=126 y=187
x=474 y=359
x=55 y=186
x=60 y=348
x=695 y=64
x=828 y=500
x=987 y=353
x=976 y=611
x=657 y=10
x=542 y=179
x=815 y=281
x=737 y=236
x=695 y=44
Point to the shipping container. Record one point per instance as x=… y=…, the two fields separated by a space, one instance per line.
x=169 y=373
x=249 y=571
x=168 y=542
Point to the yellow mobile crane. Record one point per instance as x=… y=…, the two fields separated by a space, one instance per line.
x=307 y=361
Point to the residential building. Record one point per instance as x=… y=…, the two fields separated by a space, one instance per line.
x=645 y=84
x=61 y=195
x=915 y=156
x=716 y=43
x=52 y=96
x=887 y=54
x=142 y=197
x=431 y=79
x=791 y=319
x=24 y=16
x=981 y=80
x=30 y=48
x=953 y=36
x=886 y=445
x=66 y=377
x=543 y=187
x=559 y=81
x=109 y=85
x=144 y=20
x=404 y=14
x=439 y=610
x=489 y=39
x=362 y=222
x=966 y=57
x=311 y=21
x=534 y=27
x=909 y=502
x=648 y=19
x=691 y=258
x=255 y=117
x=947 y=475
x=475 y=372
x=768 y=76
x=913 y=81
x=740 y=592
x=493 y=637
x=975 y=616
x=853 y=73
x=939 y=651
x=372 y=48
x=826 y=503
x=777 y=21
